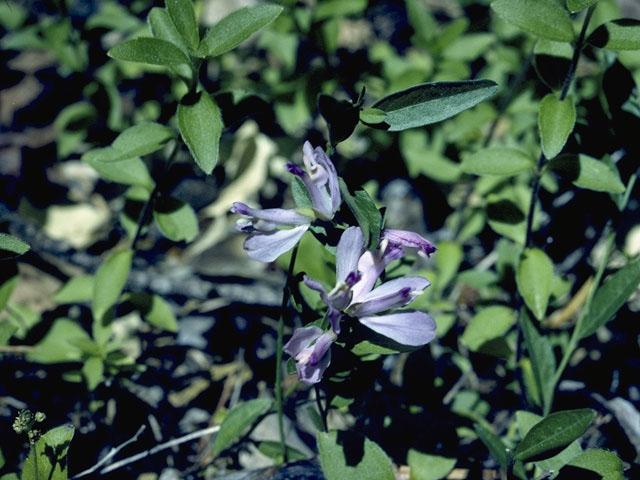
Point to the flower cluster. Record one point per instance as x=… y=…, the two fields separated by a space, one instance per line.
x=355 y=293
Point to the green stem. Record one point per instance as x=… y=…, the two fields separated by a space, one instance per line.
x=34 y=455
x=575 y=336
x=321 y=410
x=286 y=293
x=576 y=54
x=148 y=206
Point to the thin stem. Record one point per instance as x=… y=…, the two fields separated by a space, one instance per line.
x=148 y=206
x=321 y=410
x=576 y=54
x=535 y=189
x=286 y=293
x=575 y=336
x=34 y=455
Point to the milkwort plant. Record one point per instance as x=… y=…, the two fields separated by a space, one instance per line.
x=505 y=174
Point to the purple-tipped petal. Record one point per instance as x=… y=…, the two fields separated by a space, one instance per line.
x=320 y=348
x=407 y=328
x=267 y=247
x=301 y=339
x=392 y=294
x=405 y=238
x=312 y=374
x=348 y=252
x=334 y=303
x=278 y=216
x=371 y=265
x=295 y=169
x=332 y=180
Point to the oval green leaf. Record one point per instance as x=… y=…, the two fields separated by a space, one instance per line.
x=184 y=18
x=599 y=461
x=578 y=5
x=155 y=310
x=346 y=454
x=554 y=432
x=432 y=102
x=556 y=119
x=587 y=172
x=177 y=220
x=542 y=18
x=12 y=246
x=428 y=467
x=543 y=361
x=497 y=161
x=610 y=297
x=58 y=345
x=131 y=171
x=109 y=282
x=200 y=125
x=93 y=372
x=136 y=141
x=491 y=322
x=163 y=28
x=78 y=289
x=238 y=421
x=534 y=278
x=48 y=458
x=236 y=27
x=365 y=212
x=372 y=116
x=621 y=34
x=149 y=50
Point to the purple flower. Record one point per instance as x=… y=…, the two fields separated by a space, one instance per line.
x=266 y=241
x=310 y=348
x=354 y=294
x=404 y=238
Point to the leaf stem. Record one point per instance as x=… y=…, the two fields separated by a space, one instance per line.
x=576 y=54
x=286 y=293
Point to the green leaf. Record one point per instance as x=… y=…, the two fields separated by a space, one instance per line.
x=496 y=448
x=2 y=461
x=534 y=277
x=543 y=18
x=109 y=282
x=432 y=102
x=346 y=454
x=6 y=288
x=238 y=421
x=365 y=212
x=10 y=246
x=422 y=158
x=184 y=18
x=610 y=297
x=131 y=171
x=491 y=322
x=141 y=139
x=6 y=332
x=149 y=50
x=497 y=161
x=338 y=8
x=93 y=372
x=543 y=361
x=200 y=125
x=621 y=34
x=77 y=290
x=177 y=220
x=162 y=27
x=272 y=449
x=372 y=116
x=236 y=27
x=155 y=310
x=48 y=459
x=448 y=262
x=58 y=344
x=577 y=5
x=300 y=193
x=599 y=461
x=556 y=119
x=526 y=421
x=587 y=172
x=554 y=432
x=428 y=467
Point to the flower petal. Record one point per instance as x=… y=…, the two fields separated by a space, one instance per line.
x=302 y=337
x=269 y=246
x=348 y=252
x=392 y=294
x=311 y=374
x=333 y=185
x=405 y=238
x=280 y=216
x=334 y=313
x=408 y=327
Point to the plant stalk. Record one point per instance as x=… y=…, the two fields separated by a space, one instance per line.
x=286 y=293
